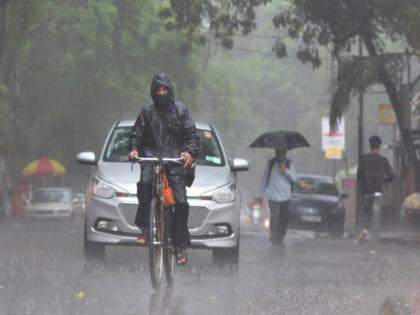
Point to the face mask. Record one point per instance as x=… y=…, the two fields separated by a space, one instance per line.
x=162 y=101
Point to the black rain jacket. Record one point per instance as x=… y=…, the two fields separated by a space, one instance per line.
x=165 y=131
x=374 y=170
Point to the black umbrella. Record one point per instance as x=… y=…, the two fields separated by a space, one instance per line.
x=286 y=140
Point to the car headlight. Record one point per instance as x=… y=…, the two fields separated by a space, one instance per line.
x=105 y=190
x=221 y=195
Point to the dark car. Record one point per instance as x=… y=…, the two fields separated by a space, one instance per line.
x=316 y=204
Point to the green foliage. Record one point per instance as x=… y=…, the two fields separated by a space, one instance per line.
x=77 y=66
x=221 y=18
x=337 y=24
x=6 y=128
x=412 y=27
x=356 y=73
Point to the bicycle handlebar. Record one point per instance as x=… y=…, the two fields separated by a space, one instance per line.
x=156 y=159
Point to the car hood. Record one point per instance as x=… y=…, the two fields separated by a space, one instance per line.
x=48 y=206
x=126 y=175
x=314 y=201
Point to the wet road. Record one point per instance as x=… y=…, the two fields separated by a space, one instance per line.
x=42 y=271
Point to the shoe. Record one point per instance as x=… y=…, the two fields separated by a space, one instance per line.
x=143 y=238
x=181 y=256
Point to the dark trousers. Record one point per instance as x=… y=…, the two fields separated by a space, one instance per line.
x=181 y=235
x=279 y=214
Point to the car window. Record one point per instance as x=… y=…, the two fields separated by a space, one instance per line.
x=210 y=153
x=118 y=146
x=51 y=196
x=317 y=186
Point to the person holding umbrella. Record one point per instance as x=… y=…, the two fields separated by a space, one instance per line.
x=278 y=179
x=276 y=184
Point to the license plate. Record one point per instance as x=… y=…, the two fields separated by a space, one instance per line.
x=311 y=218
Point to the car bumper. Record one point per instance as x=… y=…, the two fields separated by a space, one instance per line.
x=48 y=214
x=204 y=218
x=316 y=223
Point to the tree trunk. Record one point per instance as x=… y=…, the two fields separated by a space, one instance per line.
x=396 y=104
x=3 y=9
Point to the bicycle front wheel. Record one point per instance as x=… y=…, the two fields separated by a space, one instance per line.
x=169 y=255
x=156 y=243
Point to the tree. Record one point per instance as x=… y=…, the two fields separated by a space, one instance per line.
x=337 y=25
x=221 y=18
x=71 y=68
x=16 y=21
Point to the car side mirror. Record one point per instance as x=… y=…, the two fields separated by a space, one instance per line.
x=87 y=158
x=238 y=165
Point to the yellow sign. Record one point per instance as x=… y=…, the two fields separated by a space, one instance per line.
x=386 y=115
x=333 y=153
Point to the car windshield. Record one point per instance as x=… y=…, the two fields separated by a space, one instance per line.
x=51 y=196
x=317 y=186
x=210 y=153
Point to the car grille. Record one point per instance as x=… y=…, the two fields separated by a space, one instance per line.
x=196 y=216
x=129 y=211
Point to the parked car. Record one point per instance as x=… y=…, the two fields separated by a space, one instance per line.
x=52 y=202
x=111 y=201
x=316 y=204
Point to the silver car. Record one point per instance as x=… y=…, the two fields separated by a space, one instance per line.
x=111 y=200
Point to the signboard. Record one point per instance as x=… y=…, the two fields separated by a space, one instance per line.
x=333 y=142
x=333 y=153
x=386 y=115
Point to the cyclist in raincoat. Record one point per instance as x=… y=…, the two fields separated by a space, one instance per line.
x=165 y=128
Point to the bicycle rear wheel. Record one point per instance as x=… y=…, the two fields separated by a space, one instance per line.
x=168 y=253
x=156 y=243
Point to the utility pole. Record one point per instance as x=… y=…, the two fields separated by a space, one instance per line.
x=332 y=88
x=360 y=136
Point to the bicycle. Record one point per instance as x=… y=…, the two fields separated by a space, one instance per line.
x=161 y=250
